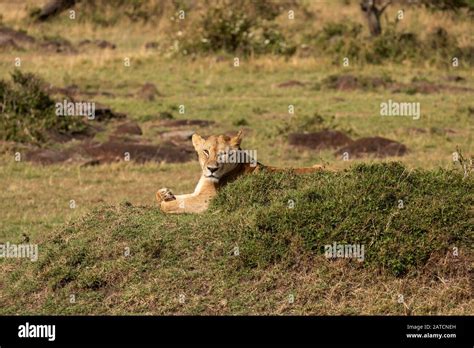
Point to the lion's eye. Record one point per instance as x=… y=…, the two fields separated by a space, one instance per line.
x=206 y=152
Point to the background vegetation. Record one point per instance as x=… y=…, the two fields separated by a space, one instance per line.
x=409 y=251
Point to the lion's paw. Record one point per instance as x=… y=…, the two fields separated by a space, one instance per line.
x=165 y=195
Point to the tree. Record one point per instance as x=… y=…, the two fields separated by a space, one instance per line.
x=54 y=7
x=373 y=9
x=373 y=13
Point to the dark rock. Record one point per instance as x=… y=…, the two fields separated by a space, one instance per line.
x=325 y=139
x=131 y=128
x=148 y=92
x=377 y=146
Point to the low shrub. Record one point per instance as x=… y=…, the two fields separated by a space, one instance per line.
x=28 y=112
x=346 y=40
x=239 y=27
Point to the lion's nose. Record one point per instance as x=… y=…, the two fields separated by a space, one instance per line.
x=212 y=169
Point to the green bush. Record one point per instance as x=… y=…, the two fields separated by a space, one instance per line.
x=28 y=112
x=347 y=40
x=232 y=28
x=395 y=46
x=305 y=123
x=338 y=38
x=108 y=13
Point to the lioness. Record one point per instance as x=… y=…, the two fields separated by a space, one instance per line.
x=217 y=156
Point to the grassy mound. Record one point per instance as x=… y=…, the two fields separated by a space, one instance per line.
x=123 y=259
x=401 y=217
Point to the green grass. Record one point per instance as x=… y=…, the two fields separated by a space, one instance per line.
x=360 y=206
x=196 y=255
x=408 y=251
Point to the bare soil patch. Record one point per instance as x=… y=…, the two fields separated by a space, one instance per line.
x=112 y=151
x=348 y=82
x=13 y=38
x=73 y=91
x=189 y=122
x=424 y=87
x=47 y=156
x=177 y=135
x=105 y=113
x=128 y=128
x=102 y=44
x=455 y=78
x=152 y=45
x=291 y=83
x=93 y=153
x=325 y=139
x=58 y=45
x=17 y=39
x=376 y=146
x=8 y=44
x=148 y=92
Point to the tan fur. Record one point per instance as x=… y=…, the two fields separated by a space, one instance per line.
x=215 y=174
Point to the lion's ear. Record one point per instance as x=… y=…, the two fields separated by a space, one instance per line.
x=197 y=141
x=235 y=141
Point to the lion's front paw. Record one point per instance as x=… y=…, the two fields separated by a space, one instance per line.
x=165 y=195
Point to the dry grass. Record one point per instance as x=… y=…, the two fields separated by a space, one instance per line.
x=35 y=200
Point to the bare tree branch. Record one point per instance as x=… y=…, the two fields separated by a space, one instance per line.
x=384 y=7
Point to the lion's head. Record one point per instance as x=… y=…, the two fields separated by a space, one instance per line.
x=214 y=151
